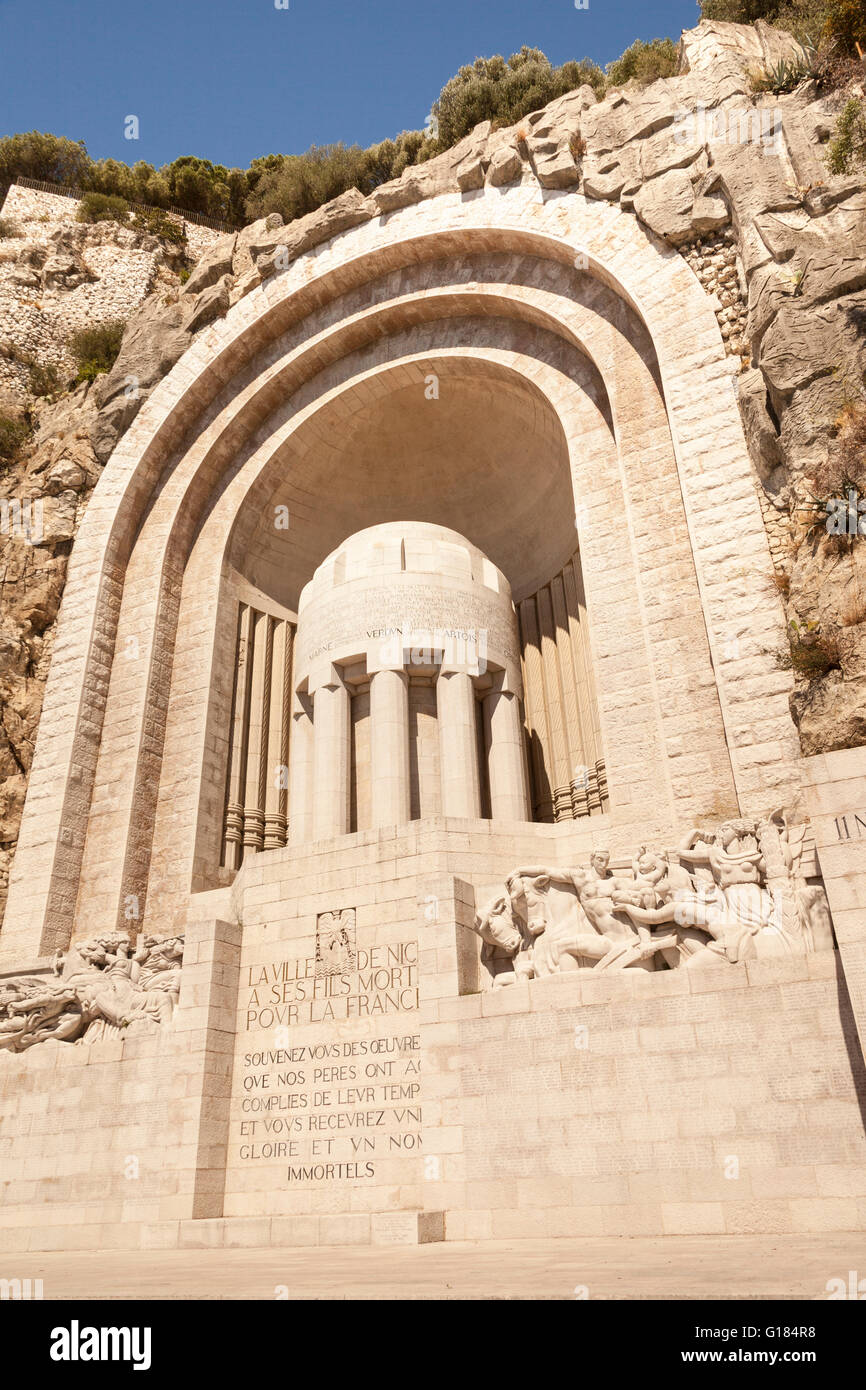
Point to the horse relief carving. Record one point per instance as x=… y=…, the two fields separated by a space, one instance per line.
x=728 y=895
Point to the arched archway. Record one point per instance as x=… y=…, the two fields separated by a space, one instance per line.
x=668 y=523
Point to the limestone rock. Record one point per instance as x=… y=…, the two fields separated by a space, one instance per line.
x=64 y=476
x=553 y=162
x=470 y=172
x=285 y=244
x=665 y=151
x=59 y=517
x=761 y=435
x=665 y=205
x=830 y=714
x=398 y=193
x=212 y=266
x=606 y=175
x=254 y=232
x=211 y=304
x=506 y=166
x=28 y=265
x=716 y=43
x=155 y=338
x=799 y=346
x=709 y=213
x=245 y=284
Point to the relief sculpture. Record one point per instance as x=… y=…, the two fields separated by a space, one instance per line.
x=723 y=896
x=98 y=989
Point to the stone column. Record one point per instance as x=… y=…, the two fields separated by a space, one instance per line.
x=389 y=747
x=331 y=759
x=234 y=831
x=278 y=737
x=458 y=745
x=260 y=690
x=300 y=808
x=503 y=738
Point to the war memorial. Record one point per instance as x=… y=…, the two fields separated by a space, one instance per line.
x=418 y=845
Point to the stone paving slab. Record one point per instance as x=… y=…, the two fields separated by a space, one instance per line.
x=678 y=1267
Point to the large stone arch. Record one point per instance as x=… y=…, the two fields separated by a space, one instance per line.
x=635 y=312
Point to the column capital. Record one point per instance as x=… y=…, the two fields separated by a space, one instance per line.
x=325 y=676
x=446 y=670
x=373 y=671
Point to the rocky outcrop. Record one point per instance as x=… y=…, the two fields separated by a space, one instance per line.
x=58 y=275
x=155 y=338
x=42 y=501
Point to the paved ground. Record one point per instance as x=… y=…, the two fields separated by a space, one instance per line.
x=676 y=1267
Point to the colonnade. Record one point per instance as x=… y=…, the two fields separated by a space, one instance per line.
x=257 y=793
x=321 y=751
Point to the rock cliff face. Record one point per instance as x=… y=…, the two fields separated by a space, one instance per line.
x=736 y=183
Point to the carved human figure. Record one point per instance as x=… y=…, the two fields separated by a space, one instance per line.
x=735 y=906
x=804 y=906
x=580 y=922
x=161 y=962
x=94 y=986
x=729 y=894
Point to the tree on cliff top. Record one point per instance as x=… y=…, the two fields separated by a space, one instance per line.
x=491 y=89
x=51 y=158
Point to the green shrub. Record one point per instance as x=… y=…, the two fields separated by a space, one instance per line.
x=7 y=228
x=44 y=379
x=846 y=24
x=296 y=184
x=159 y=223
x=788 y=73
x=644 y=63
x=95 y=349
x=847 y=149
x=813 y=653
x=102 y=207
x=14 y=432
x=491 y=89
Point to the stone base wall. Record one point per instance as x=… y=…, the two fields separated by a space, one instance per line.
x=655 y=1104
x=98 y=1142
x=726 y=1100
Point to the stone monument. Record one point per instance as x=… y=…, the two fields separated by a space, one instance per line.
x=418 y=844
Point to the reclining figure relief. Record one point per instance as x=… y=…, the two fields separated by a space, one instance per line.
x=733 y=894
x=98 y=989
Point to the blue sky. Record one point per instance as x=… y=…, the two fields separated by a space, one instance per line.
x=232 y=79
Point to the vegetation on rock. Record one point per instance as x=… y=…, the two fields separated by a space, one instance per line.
x=788 y=73
x=842 y=21
x=95 y=349
x=644 y=63
x=102 y=207
x=14 y=432
x=497 y=89
x=845 y=463
x=493 y=89
x=847 y=149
